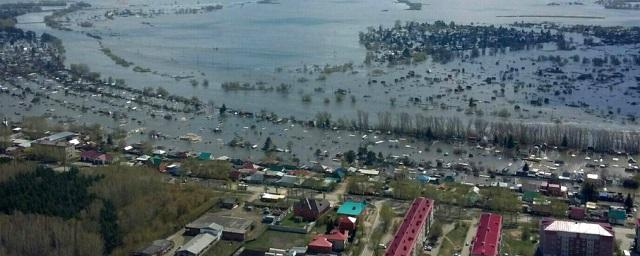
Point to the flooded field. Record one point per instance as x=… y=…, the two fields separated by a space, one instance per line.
x=302 y=60
x=269 y=45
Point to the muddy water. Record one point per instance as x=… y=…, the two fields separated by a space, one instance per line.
x=246 y=42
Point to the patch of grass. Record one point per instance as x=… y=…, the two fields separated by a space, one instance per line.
x=224 y=248
x=521 y=240
x=454 y=240
x=271 y=239
x=291 y=221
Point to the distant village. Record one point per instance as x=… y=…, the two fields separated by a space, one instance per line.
x=362 y=203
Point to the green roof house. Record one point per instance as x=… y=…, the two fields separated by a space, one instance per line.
x=204 y=156
x=617 y=215
x=155 y=160
x=351 y=208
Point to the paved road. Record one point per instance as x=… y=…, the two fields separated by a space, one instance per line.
x=473 y=227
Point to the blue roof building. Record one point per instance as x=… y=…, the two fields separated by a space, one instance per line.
x=352 y=208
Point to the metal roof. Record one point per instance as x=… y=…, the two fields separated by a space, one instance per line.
x=229 y=223
x=351 y=208
x=413 y=223
x=487 y=238
x=58 y=136
x=199 y=243
x=578 y=227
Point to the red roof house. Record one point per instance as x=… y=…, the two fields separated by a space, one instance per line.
x=95 y=157
x=414 y=227
x=338 y=238
x=346 y=223
x=319 y=244
x=487 y=239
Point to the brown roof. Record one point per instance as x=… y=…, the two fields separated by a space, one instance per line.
x=316 y=205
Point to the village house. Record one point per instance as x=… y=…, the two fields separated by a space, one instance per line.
x=310 y=209
x=95 y=157
x=319 y=244
x=552 y=188
x=338 y=239
x=346 y=223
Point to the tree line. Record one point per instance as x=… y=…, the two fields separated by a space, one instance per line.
x=505 y=133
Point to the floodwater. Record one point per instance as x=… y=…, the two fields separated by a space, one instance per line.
x=247 y=41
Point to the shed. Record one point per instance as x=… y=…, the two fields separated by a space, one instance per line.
x=229 y=202
x=198 y=245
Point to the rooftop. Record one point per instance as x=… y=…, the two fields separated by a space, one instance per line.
x=198 y=244
x=59 y=136
x=320 y=241
x=318 y=205
x=405 y=238
x=351 y=208
x=269 y=196
x=600 y=229
x=337 y=234
x=157 y=247
x=230 y=224
x=369 y=172
x=487 y=238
